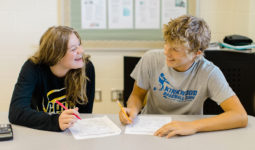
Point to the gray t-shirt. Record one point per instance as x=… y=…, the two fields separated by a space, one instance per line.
x=173 y=92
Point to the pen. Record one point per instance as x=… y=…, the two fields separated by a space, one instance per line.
x=66 y=109
x=122 y=109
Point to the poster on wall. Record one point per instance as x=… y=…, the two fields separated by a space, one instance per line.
x=171 y=9
x=120 y=14
x=93 y=14
x=147 y=14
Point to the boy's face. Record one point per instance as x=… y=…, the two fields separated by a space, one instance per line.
x=178 y=56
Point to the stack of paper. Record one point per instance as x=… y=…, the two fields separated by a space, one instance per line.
x=94 y=127
x=147 y=124
x=244 y=47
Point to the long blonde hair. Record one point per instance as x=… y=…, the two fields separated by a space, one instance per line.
x=53 y=47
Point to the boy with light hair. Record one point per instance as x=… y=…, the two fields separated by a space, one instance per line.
x=179 y=79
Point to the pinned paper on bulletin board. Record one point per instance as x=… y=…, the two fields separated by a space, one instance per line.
x=124 y=19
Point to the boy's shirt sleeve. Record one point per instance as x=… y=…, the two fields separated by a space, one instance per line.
x=218 y=87
x=142 y=71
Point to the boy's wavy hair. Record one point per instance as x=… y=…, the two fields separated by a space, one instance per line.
x=53 y=47
x=189 y=30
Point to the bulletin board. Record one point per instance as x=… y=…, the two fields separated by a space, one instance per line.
x=113 y=34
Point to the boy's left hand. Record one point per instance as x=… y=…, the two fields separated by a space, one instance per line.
x=176 y=128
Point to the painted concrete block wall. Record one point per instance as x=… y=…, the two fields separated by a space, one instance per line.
x=227 y=17
x=22 y=24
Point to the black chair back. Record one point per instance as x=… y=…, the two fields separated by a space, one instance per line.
x=129 y=64
x=239 y=70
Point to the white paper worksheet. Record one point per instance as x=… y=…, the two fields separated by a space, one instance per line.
x=147 y=124
x=94 y=127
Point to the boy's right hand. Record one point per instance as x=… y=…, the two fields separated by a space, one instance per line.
x=130 y=113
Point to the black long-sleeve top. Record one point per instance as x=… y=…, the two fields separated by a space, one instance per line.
x=33 y=99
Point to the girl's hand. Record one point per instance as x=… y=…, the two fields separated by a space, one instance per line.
x=67 y=119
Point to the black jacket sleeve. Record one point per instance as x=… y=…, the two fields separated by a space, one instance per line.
x=90 y=72
x=21 y=111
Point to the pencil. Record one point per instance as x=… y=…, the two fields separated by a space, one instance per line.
x=122 y=109
x=66 y=109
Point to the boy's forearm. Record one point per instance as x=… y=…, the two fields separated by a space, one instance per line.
x=226 y=120
x=134 y=103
